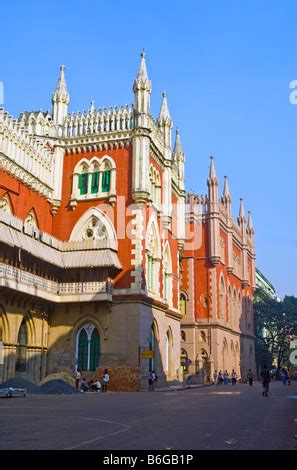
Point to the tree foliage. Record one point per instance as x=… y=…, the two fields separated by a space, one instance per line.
x=275 y=324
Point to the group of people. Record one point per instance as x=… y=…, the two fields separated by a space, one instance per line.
x=91 y=386
x=152 y=378
x=224 y=378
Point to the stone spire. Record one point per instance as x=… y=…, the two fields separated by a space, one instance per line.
x=213 y=215
x=141 y=141
x=212 y=182
x=92 y=106
x=250 y=228
x=166 y=124
x=178 y=150
x=142 y=89
x=179 y=158
x=164 y=115
x=241 y=217
x=60 y=99
x=226 y=198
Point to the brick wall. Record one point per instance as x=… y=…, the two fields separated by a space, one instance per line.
x=121 y=379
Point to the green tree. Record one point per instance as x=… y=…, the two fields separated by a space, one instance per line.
x=275 y=324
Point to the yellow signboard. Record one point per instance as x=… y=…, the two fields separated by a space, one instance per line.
x=147 y=354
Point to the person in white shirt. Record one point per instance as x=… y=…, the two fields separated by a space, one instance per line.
x=105 y=381
x=77 y=376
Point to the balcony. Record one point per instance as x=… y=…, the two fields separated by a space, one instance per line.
x=25 y=282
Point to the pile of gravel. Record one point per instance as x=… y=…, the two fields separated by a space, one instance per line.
x=18 y=382
x=57 y=387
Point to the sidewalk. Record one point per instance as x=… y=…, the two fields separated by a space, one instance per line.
x=176 y=388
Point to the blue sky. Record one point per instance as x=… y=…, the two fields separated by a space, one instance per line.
x=226 y=67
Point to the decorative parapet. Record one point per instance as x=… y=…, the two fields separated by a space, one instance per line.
x=24 y=156
x=98 y=122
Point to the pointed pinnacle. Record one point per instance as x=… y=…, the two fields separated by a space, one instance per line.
x=178 y=150
x=142 y=72
x=164 y=111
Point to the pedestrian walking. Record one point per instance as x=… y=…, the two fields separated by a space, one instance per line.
x=250 y=377
x=265 y=380
x=220 y=378
x=150 y=380
x=226 y=378
x=215 y=376
x=105 y=381
x=77 y=375
x=284 y=377
x=234 y=377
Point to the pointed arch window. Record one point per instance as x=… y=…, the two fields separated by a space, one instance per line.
x=222 y=299
x=167 y=276
x=94 y=178
x=88 y=348
x=153 y=261
x=106 y=181
x=182 y=304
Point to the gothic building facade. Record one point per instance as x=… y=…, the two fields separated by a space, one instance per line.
x=94 y=265
x=217 y=285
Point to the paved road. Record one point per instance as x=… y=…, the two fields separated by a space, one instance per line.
x=215 y=417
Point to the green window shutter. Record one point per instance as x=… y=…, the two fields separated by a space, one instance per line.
x=106 y=181
x=95 y=350
x=83 y=183
x=83 y=350
x=95 y=182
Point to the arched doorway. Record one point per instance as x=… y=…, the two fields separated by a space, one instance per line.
x=206 y=366
x=21 y=350
x=183 y=362
x=88 y=348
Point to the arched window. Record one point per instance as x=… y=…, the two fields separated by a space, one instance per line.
x=94 y=178
x=88 y=348
x=5 y=204
x=167 y=280
x=83 y=180
x=230 y=313
x=182 y=304
x=83 y=350
x=234 y=306
x=202 y=336
x=106 y=178
x=222 y=299
x=239 y=311
x=153 y=259
x=155 y=186
x=183 y=335
x=183 y=361
x=21 y=350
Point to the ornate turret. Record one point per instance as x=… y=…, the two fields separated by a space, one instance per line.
x=142 y=90
x=241 y=216
x=60 y=99
x=213 y=215
x=250 y=228
x=179 y=159
x=141 y=141
x=166 y=124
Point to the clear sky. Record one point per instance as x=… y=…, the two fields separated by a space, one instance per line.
x=226 y=67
